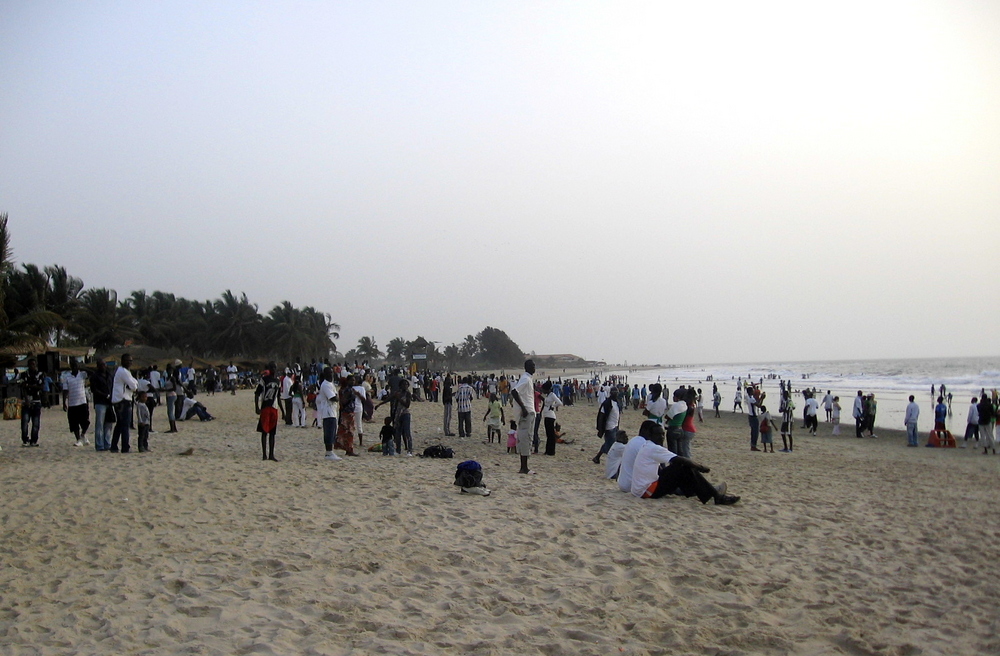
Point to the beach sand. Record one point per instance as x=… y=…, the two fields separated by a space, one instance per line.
x=846 y=546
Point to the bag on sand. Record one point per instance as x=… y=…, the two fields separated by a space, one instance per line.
x=437 y=451
x=12 y=408
x=469 y=477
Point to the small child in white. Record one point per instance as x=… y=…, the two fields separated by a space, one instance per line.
x=766 y=429
x=142 y=418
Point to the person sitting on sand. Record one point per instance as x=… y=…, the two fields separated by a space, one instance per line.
x=615 y=453
x=658 y=472
x=560 y=433
x=193 y=408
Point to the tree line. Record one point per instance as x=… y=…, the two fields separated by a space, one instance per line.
x=491 y=347
x=47 y=305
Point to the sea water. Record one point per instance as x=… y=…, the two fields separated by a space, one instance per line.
x=892 y=382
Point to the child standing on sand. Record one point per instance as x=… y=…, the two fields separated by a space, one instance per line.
x=766 y=429
x=142 y=416
x=386 y=435
x=264 y=399
x=494 y=418
x=512 y=437
x=836 y=415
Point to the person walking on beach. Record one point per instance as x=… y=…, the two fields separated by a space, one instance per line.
x=859 y=414
x=812 y=414
x=910 y=421
x=463 y=398
x=231 y=375
x=31 y=383
x=986 y=415
x=738 y=400
x=972 y=423
x=608 y=416
x=74 y=404
x=828 y=405
x=265 y=400
x=522 y=394
x=123 y=388
x=870 y=408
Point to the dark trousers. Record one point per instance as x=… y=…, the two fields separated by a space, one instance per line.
x=286 y=407
x=859 y=425
x=534 y=442
x=676 y=478
x=30 y=413
x=550 y=436
x=465 y=424
x=754 y=422
x=674 y=434
x=123 y=411
x=143 y=437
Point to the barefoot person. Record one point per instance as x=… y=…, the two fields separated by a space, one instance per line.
x=265 y=399
x=523 y=395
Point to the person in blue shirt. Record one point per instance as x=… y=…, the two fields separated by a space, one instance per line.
x=940 y=414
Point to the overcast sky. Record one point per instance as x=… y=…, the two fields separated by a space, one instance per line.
x=645 y=182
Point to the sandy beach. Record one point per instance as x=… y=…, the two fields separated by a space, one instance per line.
x=845 y=546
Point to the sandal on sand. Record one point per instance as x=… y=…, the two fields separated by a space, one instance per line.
x=529 y=472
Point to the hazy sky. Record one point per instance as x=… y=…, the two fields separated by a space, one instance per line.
x=652 y=182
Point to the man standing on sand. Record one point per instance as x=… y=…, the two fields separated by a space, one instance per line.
x=523 y=396
x=75 y=406
x=752 y=419
x=828 y=405
x=463 y=398
x=122 y=390
x=910 y=421
x=859 y=414
x=231 y=372
x=31 y=383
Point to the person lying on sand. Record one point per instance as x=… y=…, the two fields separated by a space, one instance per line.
x=658 y=472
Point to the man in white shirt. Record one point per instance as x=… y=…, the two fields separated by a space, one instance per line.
x=972 y=423
x=122 y=390
x=658 y=472
x=859 y=413
x=286 y=397
x=812 y=414
x=231 y=372
x=360 y=396
x=828 y=405
x=628 y=456
x=607 y=423
x=524 y=399
x=326 y=410
x=75 y=406
x=910 y=421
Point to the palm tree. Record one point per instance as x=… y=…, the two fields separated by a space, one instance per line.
x=469 y=348
x=395 y=350
x=452 y=353
x=12 y=337
x=64 y=297
x=101 y=320
x=368 y=349
x=237 y=326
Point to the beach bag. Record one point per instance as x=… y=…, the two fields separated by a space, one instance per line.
x=12 y=408
x=437 y=451
x=469 y=474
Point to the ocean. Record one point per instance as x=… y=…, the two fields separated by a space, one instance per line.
x=892 y=381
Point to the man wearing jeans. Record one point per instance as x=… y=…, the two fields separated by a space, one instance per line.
x=31 y=383
x=910 y=421
x=100 y=387
x=122 y=390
